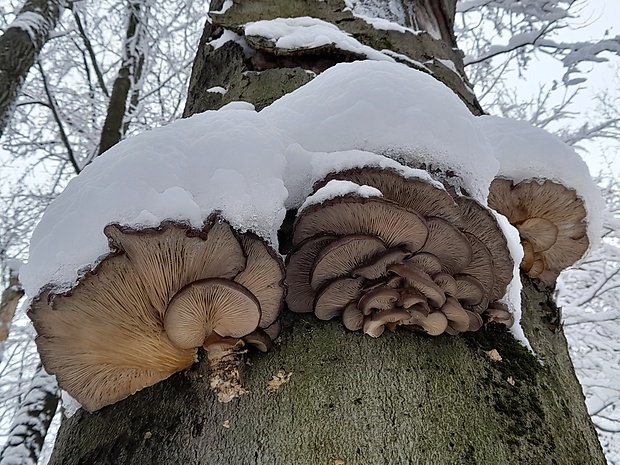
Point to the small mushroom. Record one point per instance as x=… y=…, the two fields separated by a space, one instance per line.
x=426 y=262
x=381 y=298
x=375 y=324
x=208 y=305
x=377 y=268
x=352 y=317
x=456 y=315
x=469 y=290
x=498 y=313
x=420 y=281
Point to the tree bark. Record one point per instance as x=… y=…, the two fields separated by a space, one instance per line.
x=324 y=395
x=19 y=47
x=8 y=305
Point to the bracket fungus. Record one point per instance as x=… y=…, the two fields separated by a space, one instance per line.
x=142 y=313
x=413 y=258
x=551 y=220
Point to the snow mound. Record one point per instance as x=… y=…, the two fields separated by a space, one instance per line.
x=231 y=161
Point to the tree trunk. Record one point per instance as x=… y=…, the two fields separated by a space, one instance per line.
x=31 y=422
x=8 y=305
x=129 y=74
x=19 y=47
x=324 y=395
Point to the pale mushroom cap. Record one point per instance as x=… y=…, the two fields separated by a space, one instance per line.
x=448 y=244
x=103 y=340
x=551 y=220
x=172 y=256
x=208 y=305
x=394 y=225
x=335 y=296
x=263 y=276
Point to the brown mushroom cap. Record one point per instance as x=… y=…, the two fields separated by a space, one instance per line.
x=421 y=282
x=414 y=194
x=263 y=276
x=550 y=219
x=342 y=256
x=375 y=324
x=377 y=267
x=208 y=305
x=478 y=221
x=448 y=244
x=394 y=225
x=352 y=317
x=426 y=262
x=334 y=297
x=300 y=296
x=382 y=298
x=458 y=319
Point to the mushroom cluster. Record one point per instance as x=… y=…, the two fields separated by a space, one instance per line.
x=143 y=312
x=414 y=258
x=551 y=220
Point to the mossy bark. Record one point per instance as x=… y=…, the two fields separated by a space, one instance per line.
x=404 y=398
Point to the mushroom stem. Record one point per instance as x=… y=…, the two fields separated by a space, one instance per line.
x=225 y=374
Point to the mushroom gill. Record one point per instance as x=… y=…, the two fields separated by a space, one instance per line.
x=142 y=313
x=551 y=220
x=413 y=258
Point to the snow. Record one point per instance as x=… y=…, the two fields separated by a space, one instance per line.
x=34 y=23
x=527 y=152
x=231 y=161
x=230 y=36
x=335 y=189
x=252 y=166
x=392 y=110
x=306 y=32
x=217 y=90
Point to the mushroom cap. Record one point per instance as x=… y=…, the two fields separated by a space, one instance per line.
x=342 y=256
x=448 y=244
x=263 y=276
x=414 y=194
x=477 y=220
x=300 y=296
x=375 y=324
x=104 y=340
x=335 y=296
x=551 y=220
x=352 y=317
x=381 y=298
x=167 y=258
x=208 y=305
x=377 y=267
x=394 y=225
x=421 y=282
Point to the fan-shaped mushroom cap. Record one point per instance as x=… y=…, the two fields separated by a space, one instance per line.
x=208 y=305
x=550 y=218
x=106 y=338
x=393 y=224
x=498 y=313
x=300 y=296
x=381 y=298
x=456 y=315
x=415 y=194
x=335 y=296
x=167 y=259
x=448 y=244
x=426 y=262
x=263 y=276
x=478 y=221
x=342 y=256
x=352 y=317
x=433 y=324
x=377 y=267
